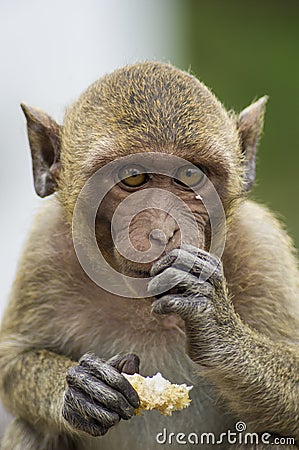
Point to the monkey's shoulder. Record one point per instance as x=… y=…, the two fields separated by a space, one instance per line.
x=256 y=238
x=261 y=270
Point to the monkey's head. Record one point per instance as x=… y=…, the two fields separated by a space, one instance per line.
x=157 y=110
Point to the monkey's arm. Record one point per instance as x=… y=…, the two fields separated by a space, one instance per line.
x=258 y=377
x=32 y=385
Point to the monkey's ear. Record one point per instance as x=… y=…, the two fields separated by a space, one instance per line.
x=250 y=125
x=44 y=140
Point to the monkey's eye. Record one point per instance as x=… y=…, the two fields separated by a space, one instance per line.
x=189 y=176
x=133 y=176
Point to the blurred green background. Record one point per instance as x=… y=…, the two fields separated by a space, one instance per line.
x=243 y=50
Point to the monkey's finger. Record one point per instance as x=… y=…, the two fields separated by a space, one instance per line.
x=186 y=251
x=185 y=307
x=164 y=262
x=203 y=269
x=201 y=253
x=169 y=279
x=90 y=426
x=90 y=409
x=181 y=281
x=79 y=378
x=128 y=363
x=110 y=376
x=204 y=266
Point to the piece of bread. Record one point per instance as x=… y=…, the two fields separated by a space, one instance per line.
x=158 y=393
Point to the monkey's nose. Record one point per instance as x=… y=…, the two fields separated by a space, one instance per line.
x=160 y=236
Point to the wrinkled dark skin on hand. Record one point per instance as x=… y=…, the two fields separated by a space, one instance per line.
x=98 y=396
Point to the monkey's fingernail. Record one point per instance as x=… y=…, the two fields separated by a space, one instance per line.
x=162 y=306
x=153 y=288
x=130 y=364
x=155 y=306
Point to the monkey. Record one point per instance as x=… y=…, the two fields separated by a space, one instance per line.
x=65 y=341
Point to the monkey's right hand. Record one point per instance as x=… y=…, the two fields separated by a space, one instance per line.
x=97 y=395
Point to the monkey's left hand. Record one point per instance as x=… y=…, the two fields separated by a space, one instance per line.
x=204 y=305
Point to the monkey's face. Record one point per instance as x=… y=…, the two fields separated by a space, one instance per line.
x=156 y=203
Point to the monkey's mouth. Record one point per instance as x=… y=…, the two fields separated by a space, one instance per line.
x=140 y=272
x=134 y=268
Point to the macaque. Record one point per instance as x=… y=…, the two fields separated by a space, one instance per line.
x=233 y=334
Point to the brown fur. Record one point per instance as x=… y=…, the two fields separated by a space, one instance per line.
x=56 y=313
